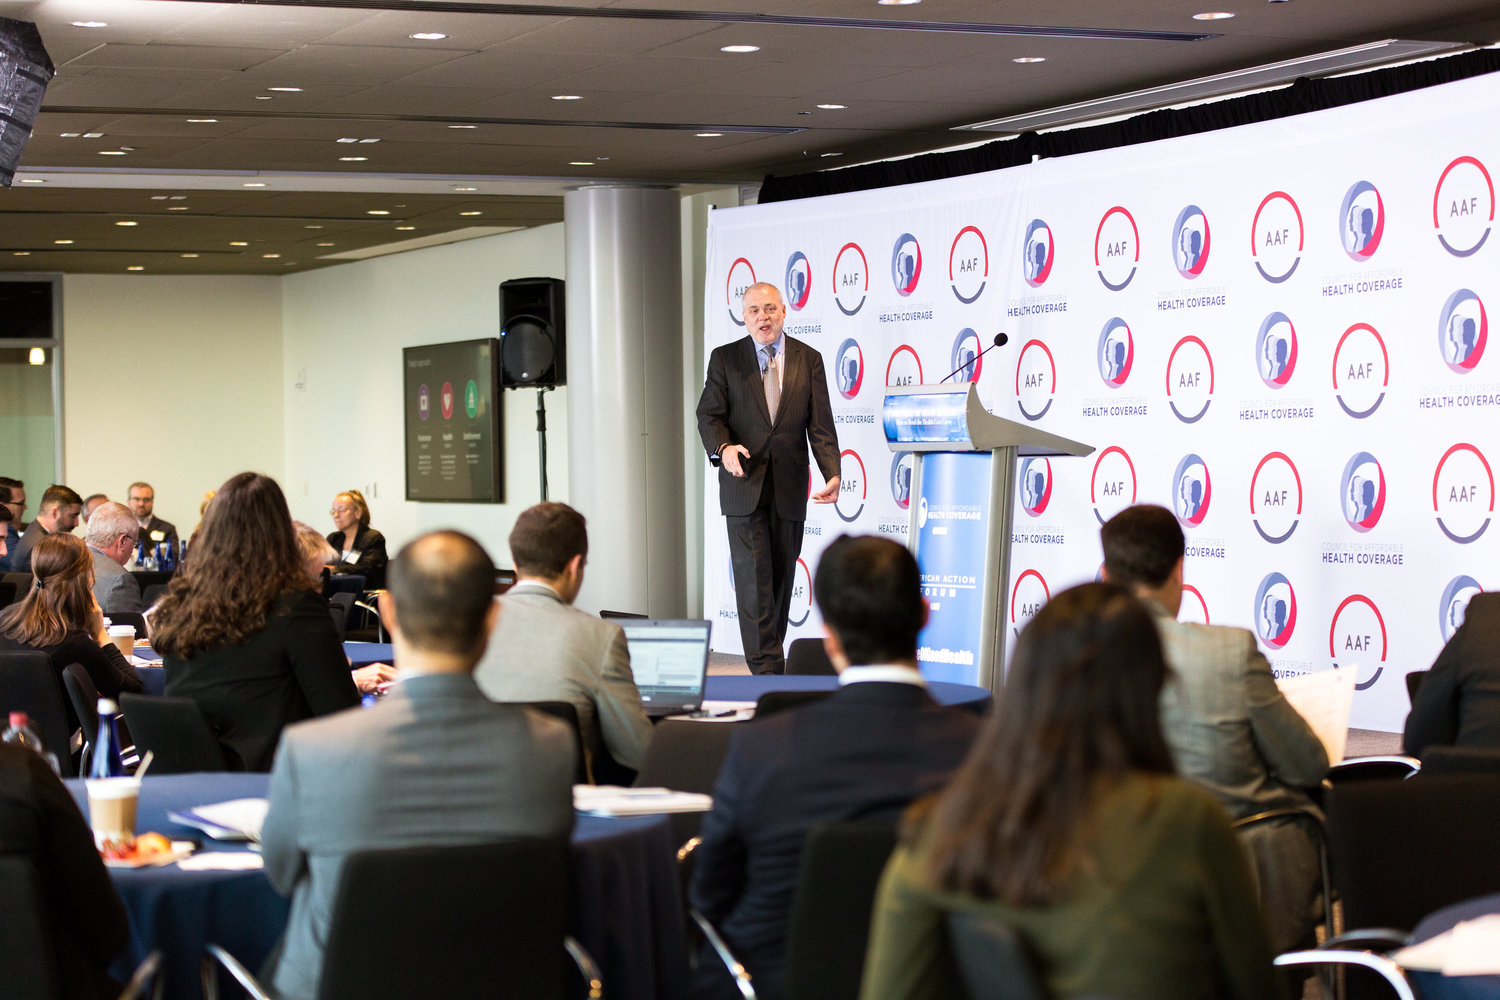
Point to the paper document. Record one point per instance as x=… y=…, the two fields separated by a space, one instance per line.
x=1324 y=699
x=237 y=819
x=1471 y=948
x=613 y=800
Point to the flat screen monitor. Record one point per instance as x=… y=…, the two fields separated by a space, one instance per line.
x=455 y=445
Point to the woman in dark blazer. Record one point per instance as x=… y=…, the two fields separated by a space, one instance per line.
x=243 y=631
x=360 y=548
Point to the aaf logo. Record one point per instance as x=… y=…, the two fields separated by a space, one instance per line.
x=1463 y=206
x=1276 y=237
x=1036 y=380
x=851 y=279
x=1454 y=604
x=741 y=276
x=1038 y=253
x=1362 y=491
x=904 y=367
x=801 y=595
x=1190 y=380
x=1117 y=248
x=1036 y=485
x=1275 y=610
x=903 y=466
x=445 y=400
x=1361 y=221
x=849 y=368
x=964 y=358
x=1276 y=350
x=906 y=264
x=1190 y=242
x=1361 y=370
x=798 y=283
x=1115 y=352
x=852 y=486
x=1192 y=490
x=1463 y=493
x=1027 y=598
x=968 y=264
x=1194 y=607
x=1463 y=330
x=1275 y=498
x=1112 y=484
x=1356 y=638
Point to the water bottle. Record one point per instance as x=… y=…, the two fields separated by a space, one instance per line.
x=106 y=762
x=19 y=733
x=167 y=559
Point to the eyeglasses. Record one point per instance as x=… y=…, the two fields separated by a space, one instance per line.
x=336 y=511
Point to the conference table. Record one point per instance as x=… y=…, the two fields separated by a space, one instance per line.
x=626 y=906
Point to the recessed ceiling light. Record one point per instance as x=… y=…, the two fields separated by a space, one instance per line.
x=405 y=229
x=21 y=253
x=457 y=187
x=135 y=267
x=353 y=159
x=177 y=208
x=470 y=213
x=62 y=243
x=203 y=121
x=69 y=135
x=377 y=211
x=158 y=197
x=739 y=49
x=325 y=244
x=708 y=135
x=463 y=126
x=32 y=180
x=90 y=24
x=831 y=154
x=580 y=163
x=897 y=3
x=285 y=90
x=270 y=256
x=1029 y=59
x=190 y=255
x=127 y=223
x=428 y=36
x=262 y=97
x=111 y=152
x=567 y=97
x=833 y=107
x=312 y=227
x=254 y=184
x=177 y=197
x=1212 y=15
x=239 y=243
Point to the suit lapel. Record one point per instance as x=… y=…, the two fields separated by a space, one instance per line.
x=755 y=384
x=791 y=377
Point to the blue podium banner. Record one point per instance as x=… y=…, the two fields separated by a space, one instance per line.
x=952 y=530
x=937 y=417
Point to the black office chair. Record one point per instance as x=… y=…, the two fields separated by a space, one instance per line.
x=1414 y=684
x=341 y=607
x=568 y=712
x=807 y=657
x=622 y=615
x=480 y=920
x=134 y=619
x=781 y=701
x=1441 y=761
x=685 y=755
x=176 y=731
x=84 y=698
x=7 y=594
x=990 y=960
x=21 y=581
x=30 y=684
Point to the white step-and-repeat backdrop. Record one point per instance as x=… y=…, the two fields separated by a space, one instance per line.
x=1280 y=331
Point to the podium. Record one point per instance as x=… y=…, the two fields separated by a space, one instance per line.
x=962 y=503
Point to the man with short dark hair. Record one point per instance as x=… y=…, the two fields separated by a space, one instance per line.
x=13 y=499
x=544 y=649
x=154 y=531
x=435 y=763
x=111 y=537
x=1228 y=725
x=58 y=512
x=865 y=752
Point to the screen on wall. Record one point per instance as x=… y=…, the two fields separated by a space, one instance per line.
x=454 y=446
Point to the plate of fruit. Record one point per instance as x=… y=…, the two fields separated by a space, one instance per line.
x=144 y=851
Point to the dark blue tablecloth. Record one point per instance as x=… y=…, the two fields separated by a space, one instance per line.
x=627 y=904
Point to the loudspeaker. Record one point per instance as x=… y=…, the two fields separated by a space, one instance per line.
x=533 y=345
x=25 y=71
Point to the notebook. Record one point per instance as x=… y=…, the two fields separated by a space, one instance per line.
x=669 y=658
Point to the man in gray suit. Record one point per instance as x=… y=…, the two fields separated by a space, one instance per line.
x=544 y=649
x=435 y=763
x=111 y=539
x=1228 y=725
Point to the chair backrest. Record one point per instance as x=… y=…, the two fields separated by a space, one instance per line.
x=808 y=657
x=153 y=592
x=1414 y=684
x=84 y=698
x=1401 y=849
x=341 y=605
x=780 y=701
x=28 y=964
x=346 y=583
x=990 y=960
x=1440 y=761
x=685 y=755
x=568 y=712
x=829 y=925
x=618 y=615
x=176 y=731
x=489 y=921
x=30 y=684
x=134 y=619
x=7 y=594
x=21 y=581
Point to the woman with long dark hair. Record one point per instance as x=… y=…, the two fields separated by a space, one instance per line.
x=242 y=629
x=359 y=548
x=1067 y=824
x=60 y=616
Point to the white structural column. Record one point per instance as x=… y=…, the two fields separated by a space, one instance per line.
x=625 y=407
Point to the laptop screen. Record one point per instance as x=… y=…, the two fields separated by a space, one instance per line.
x=669 y=659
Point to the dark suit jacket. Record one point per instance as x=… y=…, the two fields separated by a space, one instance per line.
x=12 y=540
x=863 y=753
x=732 y=410
x=169 y=535
x=292 y=669
x=370 y=545
x=1458 y=703
x=20 y=556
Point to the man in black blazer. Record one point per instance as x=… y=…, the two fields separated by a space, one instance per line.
x=864 y=752
x=762 y=460
x=1458 y=703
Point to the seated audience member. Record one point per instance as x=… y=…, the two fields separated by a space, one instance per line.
x=1067 y=824
x=61 y=618
x=153 y=530
x=358 y=547
x=1458 y=703
x=242 y=630
x=5 y=522
x=13 y=499
x=863 y=753
x=544 y=649
x=1227 y=723
x=316 y=554
x=91 y=503
x=86 y=923
x=202 y=509
x=111 y=537
x=435 y=763
x=58 y=513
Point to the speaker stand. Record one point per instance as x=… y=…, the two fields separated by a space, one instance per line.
x=541 y=434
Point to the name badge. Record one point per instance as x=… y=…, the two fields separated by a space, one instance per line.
x=158 y=536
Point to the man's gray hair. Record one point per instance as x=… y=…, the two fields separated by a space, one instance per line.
x=109 y=522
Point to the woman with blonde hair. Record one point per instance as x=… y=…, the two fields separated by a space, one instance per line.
x=359 y=547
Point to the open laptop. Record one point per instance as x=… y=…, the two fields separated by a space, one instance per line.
x=669 y=658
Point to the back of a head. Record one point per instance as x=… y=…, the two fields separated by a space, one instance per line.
x=57 y=496
x=546 y=537
x=110 y=520
x=869 y=593
x=1141 y=545
x=248 y=529
x=61 y=598
x=442 y=585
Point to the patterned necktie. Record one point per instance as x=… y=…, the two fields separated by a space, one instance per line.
x=773 y=382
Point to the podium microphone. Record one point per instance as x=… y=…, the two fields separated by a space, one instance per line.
x=1000 y=341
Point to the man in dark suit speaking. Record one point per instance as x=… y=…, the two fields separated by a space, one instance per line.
x=764 y=401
